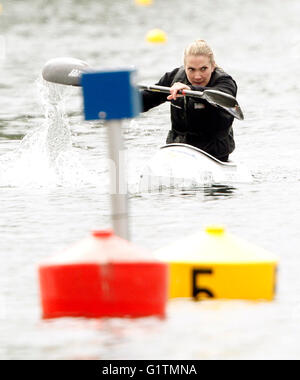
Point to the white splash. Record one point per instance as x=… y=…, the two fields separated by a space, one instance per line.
x=45 y=156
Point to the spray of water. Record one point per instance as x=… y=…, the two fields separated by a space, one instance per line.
x=45 y=156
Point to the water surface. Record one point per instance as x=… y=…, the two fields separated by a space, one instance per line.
x=47 y=204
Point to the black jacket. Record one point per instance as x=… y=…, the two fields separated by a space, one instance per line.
x=194 y=120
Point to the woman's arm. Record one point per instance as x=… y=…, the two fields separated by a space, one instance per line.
x=153 y=99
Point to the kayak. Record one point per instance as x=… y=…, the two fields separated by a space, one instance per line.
x=185 y=166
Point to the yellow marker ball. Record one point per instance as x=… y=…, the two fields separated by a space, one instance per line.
x=144 y=2
x=156 y=36
x=215 y=230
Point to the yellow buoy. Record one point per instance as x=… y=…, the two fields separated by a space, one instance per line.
x=216 y=264
x=156 y=36
x=144 y=2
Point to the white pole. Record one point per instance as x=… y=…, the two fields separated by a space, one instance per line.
x=118 y=180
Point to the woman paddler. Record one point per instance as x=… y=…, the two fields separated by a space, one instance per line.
x=195 y=121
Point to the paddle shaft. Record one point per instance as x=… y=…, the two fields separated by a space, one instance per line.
x=167 y=90
x=214 y=97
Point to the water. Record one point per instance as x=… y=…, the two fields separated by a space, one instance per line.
x=54 y=174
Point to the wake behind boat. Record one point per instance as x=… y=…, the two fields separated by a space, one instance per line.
x=185 y=166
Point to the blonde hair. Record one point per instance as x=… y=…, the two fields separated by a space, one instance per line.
x=200 y=47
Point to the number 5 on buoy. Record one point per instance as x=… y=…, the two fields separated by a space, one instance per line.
x=215 y=264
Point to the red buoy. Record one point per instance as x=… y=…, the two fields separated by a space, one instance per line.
x=103 y=276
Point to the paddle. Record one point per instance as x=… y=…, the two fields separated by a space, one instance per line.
x=214 y=97
x=68 y=71
x=65 y=71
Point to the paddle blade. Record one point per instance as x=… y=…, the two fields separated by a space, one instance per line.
x=220 y=98
x=225 y=101
x=65 y=71
x=235 y=112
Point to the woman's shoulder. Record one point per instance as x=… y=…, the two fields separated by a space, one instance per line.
x=219 y=73
x=169 y=76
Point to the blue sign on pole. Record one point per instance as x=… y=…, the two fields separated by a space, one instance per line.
x=110 y=95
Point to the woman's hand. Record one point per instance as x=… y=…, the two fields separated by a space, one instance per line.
x=175 y=89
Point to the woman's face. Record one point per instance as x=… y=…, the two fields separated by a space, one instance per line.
x=198 y=69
